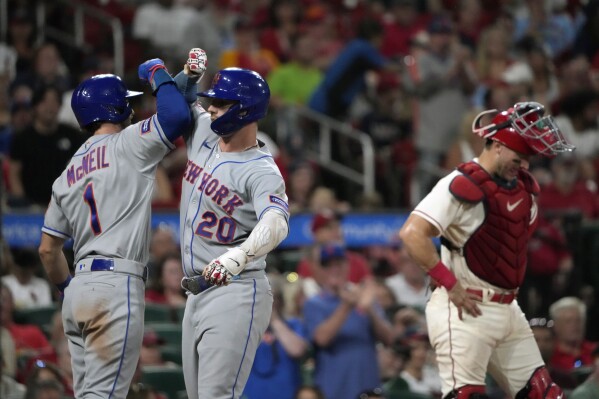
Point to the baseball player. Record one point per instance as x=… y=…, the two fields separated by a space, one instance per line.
x=485 y=212
x=233 y=213
x=102 y=201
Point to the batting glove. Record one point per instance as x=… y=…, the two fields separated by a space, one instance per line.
x=197 y=62
x=154 y=72
x=222 y=270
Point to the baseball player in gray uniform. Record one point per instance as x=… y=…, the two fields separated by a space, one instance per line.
x=233 y=213
x=103 y=201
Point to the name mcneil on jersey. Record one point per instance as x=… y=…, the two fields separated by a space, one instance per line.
x=211 y=186
x=94 y=160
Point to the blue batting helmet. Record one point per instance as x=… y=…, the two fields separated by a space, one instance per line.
x=102 y=98
x=247 y=89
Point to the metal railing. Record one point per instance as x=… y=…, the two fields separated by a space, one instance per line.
x=77 y=37
x=288 y=124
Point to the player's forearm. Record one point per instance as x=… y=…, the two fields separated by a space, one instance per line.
x=270 y=231
x=172 y=110
x=53 y=259
x=419 y=246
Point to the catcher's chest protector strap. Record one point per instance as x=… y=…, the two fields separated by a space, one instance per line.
x=496 y=252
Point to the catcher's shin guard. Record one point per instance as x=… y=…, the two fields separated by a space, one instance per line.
x=468 y=392
x=540 y=386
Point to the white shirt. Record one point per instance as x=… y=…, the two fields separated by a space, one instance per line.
x=35 y=294
x=405 y=293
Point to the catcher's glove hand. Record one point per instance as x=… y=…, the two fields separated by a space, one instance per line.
x=196 y=63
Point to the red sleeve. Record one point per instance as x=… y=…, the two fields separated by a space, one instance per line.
x=154 y=296
x=358 y=267
x=303 y=268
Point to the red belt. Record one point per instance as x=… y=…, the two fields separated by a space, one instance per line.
x=505 y=298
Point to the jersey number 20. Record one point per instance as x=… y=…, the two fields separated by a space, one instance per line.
x=224 y=232
x=88 y=196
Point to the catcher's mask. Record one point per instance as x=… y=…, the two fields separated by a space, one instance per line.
x=102 y=98
x=247 y=90
x=524 y=128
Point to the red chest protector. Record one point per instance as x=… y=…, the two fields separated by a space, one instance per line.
x=496 y=251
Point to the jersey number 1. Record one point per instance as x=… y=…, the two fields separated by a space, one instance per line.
x=88 y=196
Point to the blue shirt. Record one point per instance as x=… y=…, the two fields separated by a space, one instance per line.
x=275 y=375
x=348 y=365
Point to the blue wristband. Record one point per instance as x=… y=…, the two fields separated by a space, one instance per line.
x=62 y=286
x=160 y=77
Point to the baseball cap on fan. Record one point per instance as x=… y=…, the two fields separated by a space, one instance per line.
x=323 y=218
x=330 y=252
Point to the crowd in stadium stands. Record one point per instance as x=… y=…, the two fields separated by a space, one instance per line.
x=409 y=73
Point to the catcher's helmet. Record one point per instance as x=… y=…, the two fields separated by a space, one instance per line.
x=249 y=91
x=102 y=98
x=524 y=128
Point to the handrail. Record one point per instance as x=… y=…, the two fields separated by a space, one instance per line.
x=78 y=38
x=327 y=128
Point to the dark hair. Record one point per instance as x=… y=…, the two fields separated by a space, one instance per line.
x=156 y=283
x=369 y=29
x=40 y=94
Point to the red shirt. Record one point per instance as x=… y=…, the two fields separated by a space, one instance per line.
x=579 y=199
x=29 y=336
x=359 y=268
x=565 y=361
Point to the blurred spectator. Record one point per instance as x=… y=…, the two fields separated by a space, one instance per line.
x=554 y=27
x=574 y=75
x=276 y=370
x=151 y=346
x=45 y=390
x=141 y=391
x=376 y=393
x=403 y=23
x=542 y=329
x=590 y=388
x=410 y=283
x=154 y=25
x=566 y=193
x=385 y=298
x=8 y=354
x=344 y=323
x=64 y=362
x=440 y=77
x=44 y=371
x=549 y=268
x=247 y=53
x=165 y=287
x=406 y=321
x=278 y=37
x=467 y=145
x=39 y=153
x=420 y=375
x=27 y=290
x=309 y=392
x=30 y=341
x=385 y=124
x=49 y=69
x=320 y=23
x=493 y=55
x=162 y=244
x=11 y=389
x=326 y=229
x=21 y=37
x=578 y=121
x=545 y=86
x=300 y=186
x=293 y=82
x=391 y=362
x=345 y=77
x=572 y=350
x=325 y=198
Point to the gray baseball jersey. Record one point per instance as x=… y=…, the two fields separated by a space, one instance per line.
x=224 y=195
x=103 y=201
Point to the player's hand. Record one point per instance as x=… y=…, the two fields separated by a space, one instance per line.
x=147 y=69
x=464 y=301
x=196 y=63
x=216 y=274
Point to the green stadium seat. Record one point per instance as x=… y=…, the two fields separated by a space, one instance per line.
x=171 y=353
x=39 y=316
x=158 y=313
x=165 y=379
x=170 y=332
x=179 y=312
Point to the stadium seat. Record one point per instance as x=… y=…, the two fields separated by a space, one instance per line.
x=170 y=332
x=165 y=379
x=39 y=316
x=158 y=313
x=171 y=353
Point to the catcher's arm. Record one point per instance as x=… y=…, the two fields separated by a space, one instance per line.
x=270 y=231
